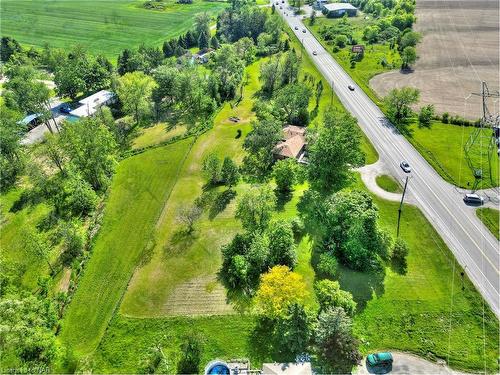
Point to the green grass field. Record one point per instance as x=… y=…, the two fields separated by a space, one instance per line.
x=425 y=310
x=388 y=183
x=138 y=193
x=101 y=26
x=156 y=134
x=442 y=146
x=490 y=217
x=26 y=267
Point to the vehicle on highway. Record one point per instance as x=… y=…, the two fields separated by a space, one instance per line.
x=65 y=108
x=315 y=53
x=473 y=199
x=383 y=359
x=296 y=27
x=350 y=87
x=281 y=7
x=303 y=30
x=405 y=166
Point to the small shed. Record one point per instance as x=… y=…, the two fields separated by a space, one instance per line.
x=336 y=10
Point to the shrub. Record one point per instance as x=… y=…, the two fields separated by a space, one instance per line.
x=327 y=264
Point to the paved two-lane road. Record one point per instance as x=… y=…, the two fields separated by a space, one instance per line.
x=473 y=245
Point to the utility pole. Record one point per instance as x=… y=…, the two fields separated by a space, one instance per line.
x=400 y=210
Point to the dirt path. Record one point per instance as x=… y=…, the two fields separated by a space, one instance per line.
x=410 y=364
x=369 y=174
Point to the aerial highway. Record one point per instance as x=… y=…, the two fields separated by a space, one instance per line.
x=474 y=247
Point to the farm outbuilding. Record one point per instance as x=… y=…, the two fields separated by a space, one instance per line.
x=335 y=10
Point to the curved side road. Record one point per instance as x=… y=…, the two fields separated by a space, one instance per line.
x=474 y=247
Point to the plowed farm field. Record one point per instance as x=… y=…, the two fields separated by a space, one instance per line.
x=459 y=49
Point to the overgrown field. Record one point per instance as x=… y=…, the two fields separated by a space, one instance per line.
x=139 y=191
x=102 y=27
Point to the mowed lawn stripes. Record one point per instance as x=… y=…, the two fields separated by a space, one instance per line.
x=101 y=26
x=139 y=191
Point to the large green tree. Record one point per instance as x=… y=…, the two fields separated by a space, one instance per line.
x=330 y=295
x=227 y=72
x=259 y=144
x=255 y=206
x=291 y=103
x=91 y=150
x=333 y=150
x=398 y=103
x=351 y=230
x=26 y=94
x=134 y=90
x=11 y=154
x=336 y=346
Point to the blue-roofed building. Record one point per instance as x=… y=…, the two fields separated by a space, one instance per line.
x=30 y=120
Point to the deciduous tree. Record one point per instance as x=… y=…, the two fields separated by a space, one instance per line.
x=134 y=90
x=333 y=151
x=330 y=295
x=398 y=103
x=279 y=289
x=255 y=206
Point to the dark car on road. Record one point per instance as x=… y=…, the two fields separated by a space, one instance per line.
x=473 y=199
x=383 y=360
x=350 y=87
x=303 y=30
x=405 y=166
x=65 y=108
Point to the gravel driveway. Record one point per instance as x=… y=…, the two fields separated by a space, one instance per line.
x=409 y=364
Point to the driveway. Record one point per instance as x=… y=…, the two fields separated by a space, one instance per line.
x=409 y=364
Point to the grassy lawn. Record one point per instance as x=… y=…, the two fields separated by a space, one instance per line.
x=490 y=218
x=442 y=146
x=425 y=310
x=129 y=339
x=388 y=183
x=139 y=191
x=105 y=27
x=178 y=258
x=156 y=134
x=25 y=267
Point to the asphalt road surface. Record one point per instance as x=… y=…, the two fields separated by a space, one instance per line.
x=473 y=245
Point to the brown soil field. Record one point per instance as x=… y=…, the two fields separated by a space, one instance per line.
x=459 y=49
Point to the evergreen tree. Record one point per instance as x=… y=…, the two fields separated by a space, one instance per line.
x=167 y=49
x=203 y=41
x=214 y=42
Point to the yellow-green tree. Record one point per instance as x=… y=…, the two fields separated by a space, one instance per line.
x=279 y=289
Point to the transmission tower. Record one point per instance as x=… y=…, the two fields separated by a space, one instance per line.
x=484 y=139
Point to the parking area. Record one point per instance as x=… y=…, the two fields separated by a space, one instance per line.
x=408 y=364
